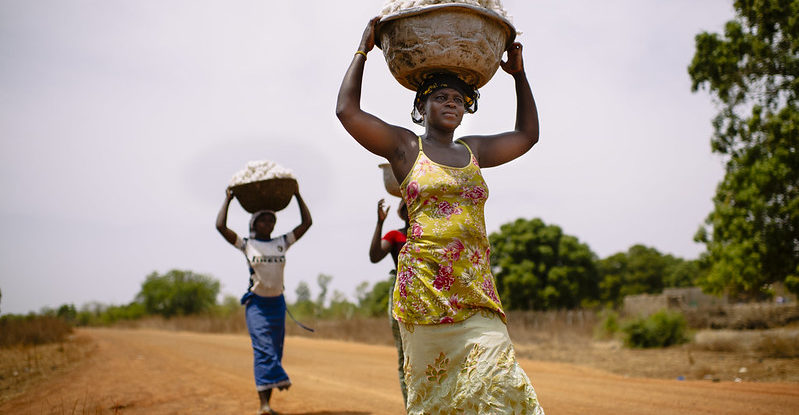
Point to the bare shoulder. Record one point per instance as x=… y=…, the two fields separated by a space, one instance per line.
x=404 y=154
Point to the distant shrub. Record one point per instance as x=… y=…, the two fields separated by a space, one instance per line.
x=661 y=329
x=96 y=314
x=375 y=302
x=608 y=326
x=229 y=306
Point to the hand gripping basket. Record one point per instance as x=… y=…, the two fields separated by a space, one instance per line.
x=462 y=39
x=271 y=194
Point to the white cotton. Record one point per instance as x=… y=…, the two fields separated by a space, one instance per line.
x=394 y=6
x=258 y=170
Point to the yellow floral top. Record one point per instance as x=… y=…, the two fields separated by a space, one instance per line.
x=443 y=274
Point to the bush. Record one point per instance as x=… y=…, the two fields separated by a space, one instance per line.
x=608 y=326
x=661 y=329
x=375 y=302
x=96 y=314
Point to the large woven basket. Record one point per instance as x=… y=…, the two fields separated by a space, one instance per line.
x=462 y=39
x=272 y=194
x=389 y=181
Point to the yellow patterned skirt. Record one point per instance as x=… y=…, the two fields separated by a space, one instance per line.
x=465 y=368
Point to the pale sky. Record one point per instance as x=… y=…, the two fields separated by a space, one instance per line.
x=122 y=122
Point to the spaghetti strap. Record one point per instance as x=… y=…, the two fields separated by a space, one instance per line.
x=418 y=156
x=467 y=147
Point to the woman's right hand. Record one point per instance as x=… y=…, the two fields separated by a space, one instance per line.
x=514 y=64
x=382 y=212
x=368 y=38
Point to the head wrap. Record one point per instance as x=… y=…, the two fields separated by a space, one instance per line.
x=434 y=82
x=255 y=217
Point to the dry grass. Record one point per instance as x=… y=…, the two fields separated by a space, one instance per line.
x=560 y=336
x=730 y=355
x=86 y=406
x=742 y=316
x=553 y=327
x=374 y=330
x=772 y=343
x=23 y=366
x=234 y=323
x=32 y=330
x=357 y=329
x=569 y=337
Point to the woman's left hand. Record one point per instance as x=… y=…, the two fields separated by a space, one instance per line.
x=514 y=64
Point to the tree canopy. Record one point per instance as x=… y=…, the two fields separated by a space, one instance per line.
x=178 y=293
x=539 y=267
x=642 y=270
x=752 y=234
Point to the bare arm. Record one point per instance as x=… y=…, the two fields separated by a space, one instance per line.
x=378 y=250
x=502 y=148
x=221 y=219
x=305 y=216
x=372 y=133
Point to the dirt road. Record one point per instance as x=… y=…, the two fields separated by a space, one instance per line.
x=159 y=372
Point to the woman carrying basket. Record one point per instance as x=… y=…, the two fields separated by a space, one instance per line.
x=391 y=243
x=265 y=305
x=458 y=356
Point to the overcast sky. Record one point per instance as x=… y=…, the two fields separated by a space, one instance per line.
x=122 y=122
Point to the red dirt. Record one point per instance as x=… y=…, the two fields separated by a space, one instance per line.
x=161 y=372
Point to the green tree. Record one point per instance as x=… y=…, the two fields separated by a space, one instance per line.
x=323 y=280
x=340 y=307
x=178 y=293
x=539 y=267
x=752 y=234
x=303 y=292
x=68 y=313
x=375 y=302
x=642 y=270
x=304 y=307
x=361 y=291
x=229 y=306
x=682 y=273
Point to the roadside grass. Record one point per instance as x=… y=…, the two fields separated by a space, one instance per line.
x=233 y=323
x=32 y=330
x=370 y=330
x=22 y=366
x=583 y=337
x=771 y=343
x=86 y=406
x=558 y=327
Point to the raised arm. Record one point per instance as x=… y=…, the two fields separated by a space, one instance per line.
x=502 y=148
x=369 y=131
x=379 y=248
x=305 y=216
x=221 y=219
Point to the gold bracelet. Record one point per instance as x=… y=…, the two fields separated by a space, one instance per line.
x=360 y=52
